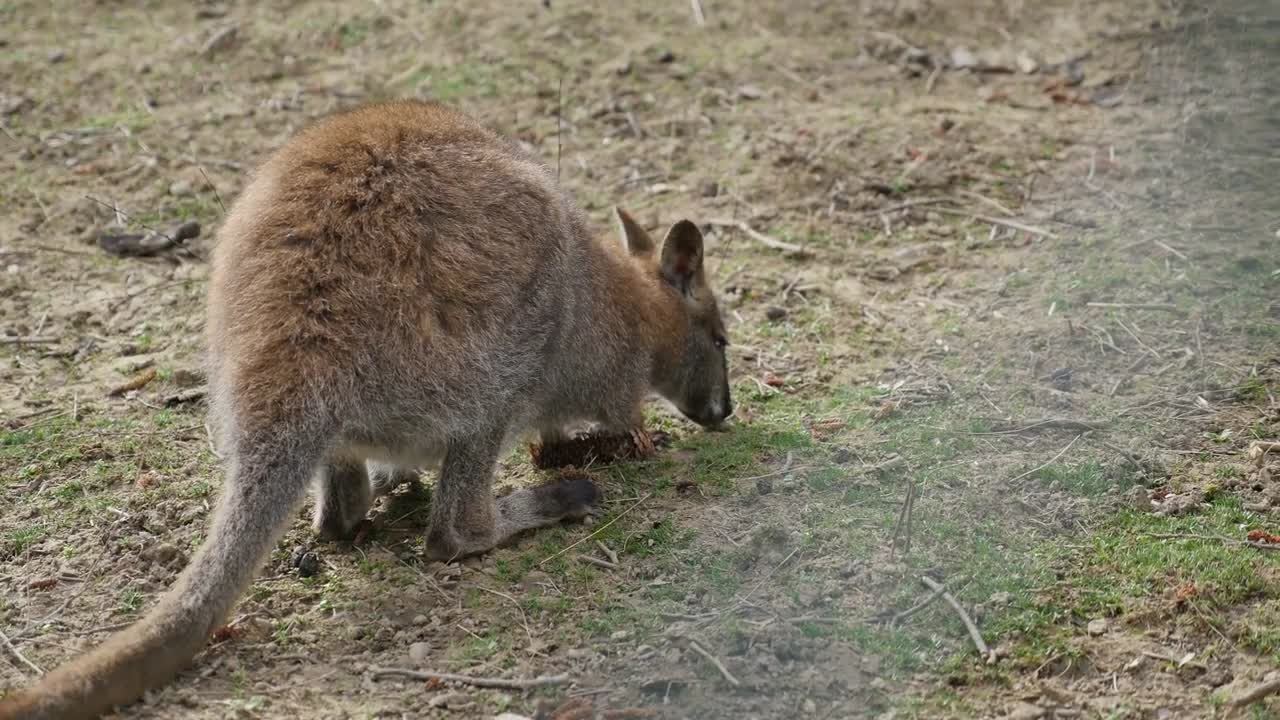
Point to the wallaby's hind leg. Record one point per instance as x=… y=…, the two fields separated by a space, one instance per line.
x=343 y=497
x=465 y=517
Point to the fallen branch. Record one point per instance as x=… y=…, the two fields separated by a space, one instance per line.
x=976 y=636
x=999 y=221
x=1255 y=693
x=481 y=682
x=699 y=16
x=728 y=676
x=789 y=248
x=28 y=340
x=4 y=639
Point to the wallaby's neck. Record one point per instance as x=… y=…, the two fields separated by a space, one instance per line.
x=636 y=313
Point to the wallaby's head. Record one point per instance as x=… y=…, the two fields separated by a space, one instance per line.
x=690 y=369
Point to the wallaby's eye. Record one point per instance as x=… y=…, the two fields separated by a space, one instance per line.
x=721 y=343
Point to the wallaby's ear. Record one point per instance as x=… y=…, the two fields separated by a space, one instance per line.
x=682 y=256
x=634 y=238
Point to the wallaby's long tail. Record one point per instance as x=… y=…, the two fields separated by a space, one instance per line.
x=264 y=486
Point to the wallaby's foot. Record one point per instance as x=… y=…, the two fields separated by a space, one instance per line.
x=526 y=509
x=343 y=497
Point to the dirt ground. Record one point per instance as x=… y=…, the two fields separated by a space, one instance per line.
x=1001 y=286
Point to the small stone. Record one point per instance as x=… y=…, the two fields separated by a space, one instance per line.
x=307 y=562
x=420 y=619
x=420 y=653
x=510 y=716
x=1026 y=711
x=1097 y=626
x=962 y=58
x=1027 y=64
x=775 y=313
x=185 y=378
x=750 y=92
x=57 y=56
x=810 y=707
x=180 y=188
x=619 y=635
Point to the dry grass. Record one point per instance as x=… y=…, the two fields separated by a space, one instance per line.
x=977 y=257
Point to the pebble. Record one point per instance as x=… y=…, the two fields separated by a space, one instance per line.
x=420 y=652
x=810 y=707
x=181 y=188
x=619 y=635
x=1026 y=711
x=1097 y=626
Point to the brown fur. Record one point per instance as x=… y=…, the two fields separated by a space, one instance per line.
x=400 y=286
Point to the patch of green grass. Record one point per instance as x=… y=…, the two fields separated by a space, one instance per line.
x=18 y=540
x=131 y=599
x=1087 y=478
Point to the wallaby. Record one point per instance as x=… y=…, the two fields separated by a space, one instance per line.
x=401 y=286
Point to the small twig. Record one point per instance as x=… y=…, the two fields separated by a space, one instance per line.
x=1052 y=460
x=976 y=636
x=122 y=214
x=984 y=199
x=903 y=615
x=999 y=221
x=608 y=551
x=1216 y=538
x=597 y=562
x=598 y=530
x=214 y=188
x=4 y=639
x=769 y=242
x=28 y=340
x=728 y=676
x=482 y=682
x=902 y=528
x=900 y=206
x=1132 y=306
x=699 y=16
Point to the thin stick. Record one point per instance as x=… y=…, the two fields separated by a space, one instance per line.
x=596 y=561
x=769 y=242
x=900 y=206
x=131 y=219
x=4 y=639
x=1133 y=306
x=1217 y=538
x=1256 y=693
x=1052 y=460
x=613 y=556
x=599 y=530
x=974 y=635
x=900 y=616
x=999 y=221
x=28 y=340
x=984 y=199
x=698 y=16
x=214 y=188
x=481 y=682
x=728 y=676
